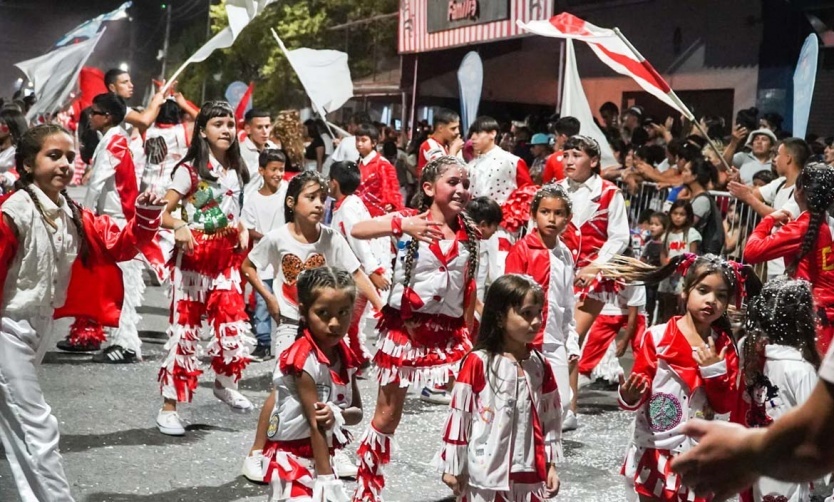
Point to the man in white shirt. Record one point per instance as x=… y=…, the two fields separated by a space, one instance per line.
x=118 y=81
x=760 y=156
x=791 y=156
x=258 y=126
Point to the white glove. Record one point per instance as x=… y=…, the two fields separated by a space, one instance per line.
x=329 y=489
x=338 y=424
x=572 y=345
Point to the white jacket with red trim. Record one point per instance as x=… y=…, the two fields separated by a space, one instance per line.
x=680 y=388
x=479 y=433
x=373 y=254
x=112 y=189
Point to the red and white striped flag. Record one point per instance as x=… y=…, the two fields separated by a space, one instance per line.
x=614 y=50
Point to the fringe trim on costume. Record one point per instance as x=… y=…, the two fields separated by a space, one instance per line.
x=180 y=369
x=608 y=368
x=85 y=331
x=374 y=451
x=397 y=360
x=127 y=334
x=296 y=475
x=452 y=456
x=551 y=422
x=230 y=348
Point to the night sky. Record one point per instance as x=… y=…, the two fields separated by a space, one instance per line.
x=29 y=28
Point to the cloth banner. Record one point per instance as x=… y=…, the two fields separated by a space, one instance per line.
x=470 y=83
x=575 y=104
x=89 y=28
x=54 y=75
x=239 y=13
x=324 y=74
x=803 y=84
x=613 y=49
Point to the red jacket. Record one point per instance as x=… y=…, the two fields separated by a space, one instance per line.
x=380 y=186
x=817 y=266
x=530 y=256
x=96 y=292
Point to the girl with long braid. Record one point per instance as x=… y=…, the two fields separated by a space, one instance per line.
x=805 y=243
x=424 y=329
x=56 y=260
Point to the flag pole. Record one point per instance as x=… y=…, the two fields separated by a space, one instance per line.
x=687 y=113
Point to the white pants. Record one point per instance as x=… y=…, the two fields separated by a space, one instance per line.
x=282 y=337
x=127 y=334
x=28 y=429
x=557 y=357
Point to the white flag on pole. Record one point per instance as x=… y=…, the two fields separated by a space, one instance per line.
x=89 y=28
x=240 y=13
x=613 y=49
x=575 y=104
x=324 y=74
x=54 y=75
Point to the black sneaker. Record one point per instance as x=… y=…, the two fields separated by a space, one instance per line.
x=116 y=354
x=261 y=353
x=79 y=347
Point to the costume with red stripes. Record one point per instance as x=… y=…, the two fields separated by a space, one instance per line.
x=290 y=465
x=503 y=428
x=427 y=352
x=597 y=231
x=380 y=188
x=553 y=270
x=613 y=318
x=680 y=389
x=429 y=150
x=207 y=282
x=375 y=256
x=112 y=191
x=816 y=267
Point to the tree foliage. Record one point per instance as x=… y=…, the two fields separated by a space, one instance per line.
x=300 y=23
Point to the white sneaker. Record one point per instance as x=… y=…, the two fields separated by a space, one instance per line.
x=168 y=423
x=234 y=399
x=435 y=396
x=569 y=422
x=343 y=465
x=253 y=467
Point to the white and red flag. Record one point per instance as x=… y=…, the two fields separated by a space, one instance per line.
x=614 y=50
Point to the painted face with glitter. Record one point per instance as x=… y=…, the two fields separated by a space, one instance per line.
x=451 y=188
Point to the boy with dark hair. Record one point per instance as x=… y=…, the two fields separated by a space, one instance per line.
x=257 y=126
x=554 y=169
x=497 y=174
x=263 y=212
x=112 y=190
x=118 y=82
x=380 y=188
x=444 y=140
x=486 y=213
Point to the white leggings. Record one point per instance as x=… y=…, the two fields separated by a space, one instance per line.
x=557 y=357
x=28 y=429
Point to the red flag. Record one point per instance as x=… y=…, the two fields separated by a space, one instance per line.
x=245 y=104
x=614 y=50
x=91 y=84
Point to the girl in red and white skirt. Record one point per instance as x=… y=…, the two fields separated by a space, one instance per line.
x=424 y=329
x=686 y=368
x=211 y=241
x=316 y=392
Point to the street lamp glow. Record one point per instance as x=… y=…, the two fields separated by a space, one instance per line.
x=123 y=66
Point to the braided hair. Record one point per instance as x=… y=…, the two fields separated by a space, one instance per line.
x=28 y=147
x=816 y=181
x=423 y=202
x=313 y=280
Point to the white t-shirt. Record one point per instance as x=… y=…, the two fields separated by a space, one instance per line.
x=677 y=245
x=778 y=196
x=748 y=165
x=630 y=296
x=289 y=258
x=264 y=213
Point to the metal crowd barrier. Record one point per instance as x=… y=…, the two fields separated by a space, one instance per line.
x=740 y=219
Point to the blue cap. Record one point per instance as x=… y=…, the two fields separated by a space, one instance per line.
x=540 y=139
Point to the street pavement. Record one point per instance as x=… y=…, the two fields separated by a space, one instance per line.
x=113 y=452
